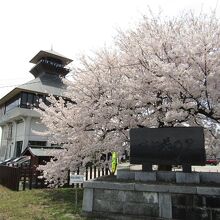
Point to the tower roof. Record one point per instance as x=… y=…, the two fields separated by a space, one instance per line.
x=51 y=54
x=45 y=84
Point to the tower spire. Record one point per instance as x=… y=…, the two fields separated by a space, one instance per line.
x=50 y=62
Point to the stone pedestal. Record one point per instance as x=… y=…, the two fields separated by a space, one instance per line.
x=145 y=176
x=135 y=200
x=126 y=174
x=153 y=195
x=169 y=176
x=187 y=177
x=166 y=176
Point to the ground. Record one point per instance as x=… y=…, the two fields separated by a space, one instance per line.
x=40 y=204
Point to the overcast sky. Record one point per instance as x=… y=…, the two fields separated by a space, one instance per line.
x=71 y=26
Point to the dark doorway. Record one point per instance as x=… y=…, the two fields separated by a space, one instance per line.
x=18 y=148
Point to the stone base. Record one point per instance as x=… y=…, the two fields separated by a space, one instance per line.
x=207 y=177
x=187 y=177
x=145 y=176
x=166 y=176
x=106 y=216
x=169 y=176
x=136 y=200
x=126 y=174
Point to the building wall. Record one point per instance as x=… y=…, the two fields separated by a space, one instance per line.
x=3 y=143
x=11 y=132
x=19 y=103
x=24 y=129
x=0 y=135
x=19 y=132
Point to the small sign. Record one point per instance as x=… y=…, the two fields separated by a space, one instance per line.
x=76 y=179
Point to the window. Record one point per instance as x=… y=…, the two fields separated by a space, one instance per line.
x=37 y=143
x=2 y=110
x=18 y=148
x=13 y=103
x=37 y=99
x=27 y=100
x=23 y=100
x=30 y=100
x=10 y=126
x=46 y=102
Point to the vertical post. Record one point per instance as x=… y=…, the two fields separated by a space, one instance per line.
x=106 y=171
x=30 y=176
x=36 y=178
x=86 y=173
x=76 y=198
x=77 y=185
x=204 y=210
x=147 y=167
x=94 y=171
x=165 y=206
x=68 y=178
x=42 y=183
x=24 y=177
x=187 y=168
x=90 y=172
x=18 y=176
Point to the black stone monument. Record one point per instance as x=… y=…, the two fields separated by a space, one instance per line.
x=167 y=146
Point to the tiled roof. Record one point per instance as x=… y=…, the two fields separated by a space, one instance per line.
x=46 y=83
x=52 y=54
x=42 y=151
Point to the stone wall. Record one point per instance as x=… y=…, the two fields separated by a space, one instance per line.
x=195 y=207
x=126 y=202
x=135 y=200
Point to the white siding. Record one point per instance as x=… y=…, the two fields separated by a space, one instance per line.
x=4 y=143
x=20 y=131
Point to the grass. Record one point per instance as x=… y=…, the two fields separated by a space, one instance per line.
x=40 y=204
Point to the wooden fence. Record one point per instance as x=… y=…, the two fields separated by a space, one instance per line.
x=23 y=177
x=9 y=177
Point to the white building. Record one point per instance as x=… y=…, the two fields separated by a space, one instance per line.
x=18 y=119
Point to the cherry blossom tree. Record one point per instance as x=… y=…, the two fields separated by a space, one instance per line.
x=166 y=72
